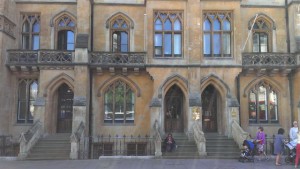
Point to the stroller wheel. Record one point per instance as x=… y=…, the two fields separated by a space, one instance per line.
x=287 y=159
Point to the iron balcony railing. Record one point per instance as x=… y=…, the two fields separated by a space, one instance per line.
x=269 y=59
x=136 y=59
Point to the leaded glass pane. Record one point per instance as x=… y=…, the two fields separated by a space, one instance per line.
x=217 y=44
x=206 y=25
x=217 y=25
x=177 y=25
x=177 y=44
x=252 y=107
x=226 y=25
x=262 y=107
x=206 y=44
x=158 y=25
x=226 y=43
x=168 y=44
x=168 y=25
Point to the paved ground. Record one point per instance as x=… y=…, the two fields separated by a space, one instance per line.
x=122 y=163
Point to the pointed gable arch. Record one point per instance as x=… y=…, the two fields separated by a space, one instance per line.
x=276 y=86
x=101 y=89
x=217 y=82
x=56 y=82
x=176 y=79
x=261 y=16
x=119 y=15
x=56 y=18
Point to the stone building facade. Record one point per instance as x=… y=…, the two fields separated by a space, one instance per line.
x=120 y=66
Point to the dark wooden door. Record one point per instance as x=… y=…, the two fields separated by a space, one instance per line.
x=174 y=110
x=65 y=109
x=209 y=109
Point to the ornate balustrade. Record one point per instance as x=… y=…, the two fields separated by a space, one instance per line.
x=30 y=60
x=110 y=58
x=269 y=59
x=268 y=63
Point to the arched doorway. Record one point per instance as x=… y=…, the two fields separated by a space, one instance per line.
x=64 y=109
x=174 y=110
x=209 y=99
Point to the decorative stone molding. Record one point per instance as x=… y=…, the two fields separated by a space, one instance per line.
x=79 y=101
x=7 y=26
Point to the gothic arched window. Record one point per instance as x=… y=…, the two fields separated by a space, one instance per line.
x=217 y=30
x=27 y=94
x=263 y=104
x=262 y=35
x=168 y=32
x=119 y=104
x=30 y=31
x=119 y=34
x=65 y=27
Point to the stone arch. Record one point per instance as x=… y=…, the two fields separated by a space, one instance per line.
x=177 y=79
x=60 y=14
x=179 y=82
x=57 y=81
x=123 y=78
x=276 y=86
x=264 y=17
x=121 y=15
x=218 y=83
x=51 y=94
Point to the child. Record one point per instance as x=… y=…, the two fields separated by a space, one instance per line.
x=278 y=146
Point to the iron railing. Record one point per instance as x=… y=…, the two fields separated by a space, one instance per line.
x=119 y=145
x=8 y=147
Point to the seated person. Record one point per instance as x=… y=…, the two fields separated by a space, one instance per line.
x=169 y=143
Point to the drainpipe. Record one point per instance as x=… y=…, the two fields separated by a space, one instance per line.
x=291 y=85
x=91 y=82
x=287 y=26
x=238 y=96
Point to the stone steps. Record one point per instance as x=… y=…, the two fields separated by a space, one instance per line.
x=52 y=147
x=186 y=149
x=221 y=147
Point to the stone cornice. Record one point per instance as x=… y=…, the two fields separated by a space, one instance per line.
x=7 y=26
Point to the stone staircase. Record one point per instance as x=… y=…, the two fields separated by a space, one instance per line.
x=221 y=147
x=52 y=147
x=186 y=149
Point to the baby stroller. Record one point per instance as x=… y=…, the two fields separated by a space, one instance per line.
x=290 y=158
x=248 y=152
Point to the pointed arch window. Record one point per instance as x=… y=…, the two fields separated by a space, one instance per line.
x=27 y=95
x=217 y=34
x=263 y=104
x=30 y=31
x=168 y=34
x=261 y=34
x=65 y=33
x=119 y=29
x=119 y=104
